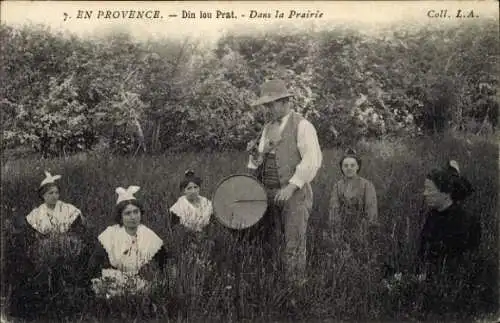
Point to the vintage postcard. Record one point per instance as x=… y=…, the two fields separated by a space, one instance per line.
x=249 y=161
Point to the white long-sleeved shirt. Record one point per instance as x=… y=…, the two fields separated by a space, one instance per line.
x=309 y=149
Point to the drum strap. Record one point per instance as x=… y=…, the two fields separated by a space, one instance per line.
x=270 y=177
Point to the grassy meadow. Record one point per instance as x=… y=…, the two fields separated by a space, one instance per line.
x=338 y=287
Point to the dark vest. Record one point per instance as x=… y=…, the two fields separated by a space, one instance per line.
x=287 y=155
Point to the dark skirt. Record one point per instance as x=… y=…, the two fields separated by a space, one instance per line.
x=42 y=282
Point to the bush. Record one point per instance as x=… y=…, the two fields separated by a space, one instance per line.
x=163 y=95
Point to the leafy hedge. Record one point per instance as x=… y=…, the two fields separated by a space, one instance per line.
x=65 y=93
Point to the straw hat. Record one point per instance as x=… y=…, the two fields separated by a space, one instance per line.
x=271 y=91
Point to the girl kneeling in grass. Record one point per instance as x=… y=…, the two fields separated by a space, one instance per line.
x=353 y=216
x=192 y=210
x=193 y=226
x=47 y=250
x=353 y=202
x=130 y=255
x=191 y=216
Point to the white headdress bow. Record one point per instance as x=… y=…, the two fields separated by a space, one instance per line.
x=454 y=164
x=49 y=178
x=126 y=194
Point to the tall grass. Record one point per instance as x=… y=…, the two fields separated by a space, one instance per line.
x=340 y=286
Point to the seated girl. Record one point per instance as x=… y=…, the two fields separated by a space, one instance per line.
x=49 y=245
x=353 y=202
x=191 y=219
x=192 y=210
x=129 y=254
x=353 y=216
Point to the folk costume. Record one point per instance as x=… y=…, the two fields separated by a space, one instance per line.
x=193 y=217
x=123 y=260
x=50 y=245
x=193 y=225
x=288 y=152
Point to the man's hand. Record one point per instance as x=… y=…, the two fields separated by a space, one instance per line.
x=256 y=159
x=285 y=194
x=252 y=146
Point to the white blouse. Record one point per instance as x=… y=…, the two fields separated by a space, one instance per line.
x=128 y=253
x=57 y=220
x=191 y=216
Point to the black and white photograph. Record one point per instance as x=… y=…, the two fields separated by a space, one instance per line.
x=249 y=161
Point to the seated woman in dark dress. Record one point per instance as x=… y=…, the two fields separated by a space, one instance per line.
x=48 y=247
x=448 y=238
x=129 y=255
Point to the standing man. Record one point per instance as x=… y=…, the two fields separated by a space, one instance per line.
x=286 y=160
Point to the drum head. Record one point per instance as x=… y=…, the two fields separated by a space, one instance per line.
x=239 y=201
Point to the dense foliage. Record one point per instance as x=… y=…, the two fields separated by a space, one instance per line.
x=63 y=93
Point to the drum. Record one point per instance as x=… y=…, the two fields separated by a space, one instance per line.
x=239 y=201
